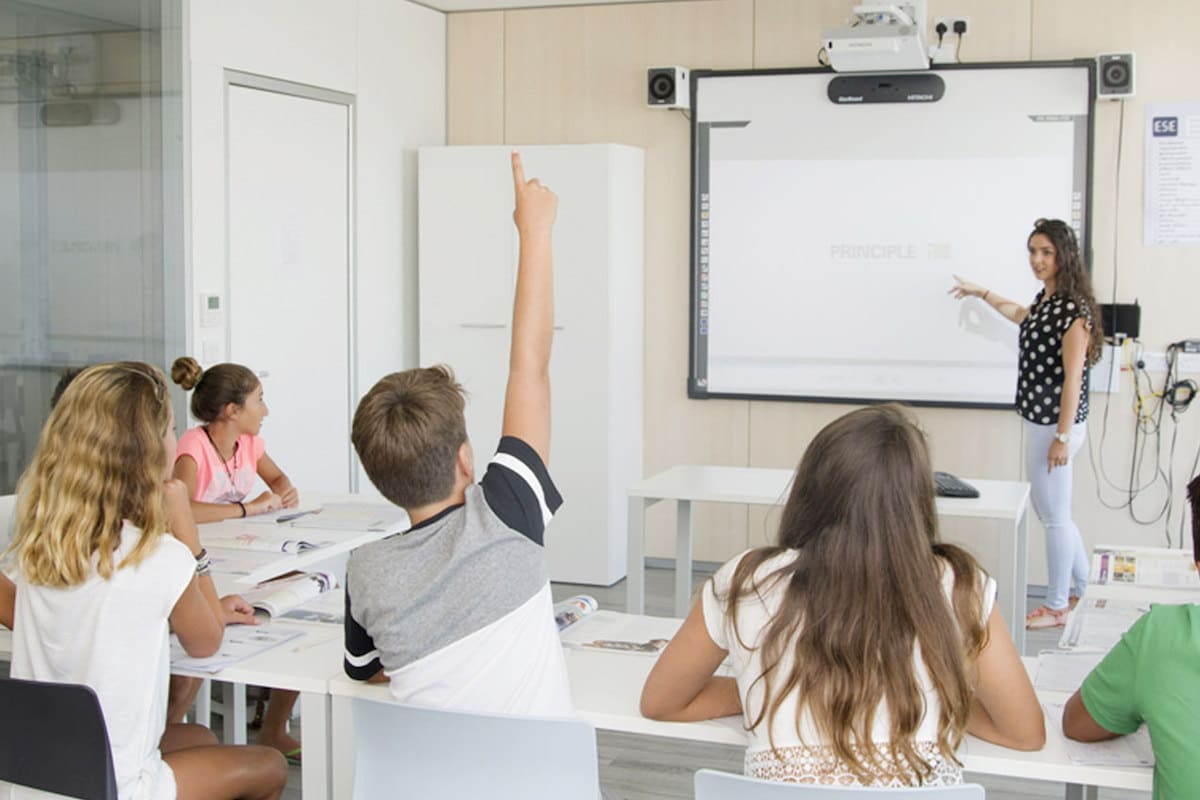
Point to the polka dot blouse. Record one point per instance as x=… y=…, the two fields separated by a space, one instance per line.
x=1039 y=388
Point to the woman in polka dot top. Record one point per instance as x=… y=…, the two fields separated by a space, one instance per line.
x=1060 y=338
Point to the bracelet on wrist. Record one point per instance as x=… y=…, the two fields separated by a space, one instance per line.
x=203 y=563
x=986 y=292
x=242 y=506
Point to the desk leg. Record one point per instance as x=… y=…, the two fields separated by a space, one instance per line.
x=342 y=747
x=1020 y=579
x=683 y=557
x=202 y=710
x=635 y=575
x=315 y=776
x=233 y=719
x=1076 y=791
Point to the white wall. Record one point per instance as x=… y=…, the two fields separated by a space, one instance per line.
x=389 y=54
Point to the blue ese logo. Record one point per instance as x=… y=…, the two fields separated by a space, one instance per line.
x=1165 y=126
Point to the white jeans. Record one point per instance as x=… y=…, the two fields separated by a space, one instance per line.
x=1066 y=558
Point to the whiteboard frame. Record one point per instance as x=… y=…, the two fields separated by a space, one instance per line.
x=697 y=392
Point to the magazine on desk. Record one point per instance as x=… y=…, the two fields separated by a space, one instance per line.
x=1159 y=568
x=614 y=632
x=276 y=598
x=1098 y=623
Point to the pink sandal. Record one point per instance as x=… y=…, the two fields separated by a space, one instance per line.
x=1043 y=617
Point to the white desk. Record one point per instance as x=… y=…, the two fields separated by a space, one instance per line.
x=685 y=484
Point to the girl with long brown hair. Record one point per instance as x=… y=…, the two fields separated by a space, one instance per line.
x=863 y=648
x=1059 y=337
x=106 y=563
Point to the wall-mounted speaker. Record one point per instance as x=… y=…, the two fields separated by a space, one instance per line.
x=667 y=87
x=1114 y=76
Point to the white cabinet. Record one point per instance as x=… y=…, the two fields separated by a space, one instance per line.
x=467 y=268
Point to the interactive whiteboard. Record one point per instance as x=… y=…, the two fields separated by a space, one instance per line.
x=830 y=212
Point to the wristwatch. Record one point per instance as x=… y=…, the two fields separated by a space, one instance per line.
x=1065 y=438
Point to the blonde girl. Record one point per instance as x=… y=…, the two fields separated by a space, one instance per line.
x=107 y=561
x=863 y=648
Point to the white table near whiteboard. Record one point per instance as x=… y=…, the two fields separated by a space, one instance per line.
x=1000 y=500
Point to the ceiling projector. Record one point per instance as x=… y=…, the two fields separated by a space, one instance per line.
x=880 y=37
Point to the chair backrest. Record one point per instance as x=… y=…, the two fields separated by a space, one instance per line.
x=53 y=738
x=406 y=751
x=713 y=785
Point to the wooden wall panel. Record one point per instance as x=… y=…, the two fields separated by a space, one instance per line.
x=475 y=78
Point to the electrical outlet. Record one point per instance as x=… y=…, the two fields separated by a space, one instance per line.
x=949 y=23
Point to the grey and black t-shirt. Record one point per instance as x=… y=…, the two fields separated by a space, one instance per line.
x=457 y=610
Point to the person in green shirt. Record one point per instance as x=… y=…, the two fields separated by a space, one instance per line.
x=1153 y=676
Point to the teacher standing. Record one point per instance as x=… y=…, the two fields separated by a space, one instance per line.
x=1060 y=337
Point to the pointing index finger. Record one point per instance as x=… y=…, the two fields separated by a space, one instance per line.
x=518 y=171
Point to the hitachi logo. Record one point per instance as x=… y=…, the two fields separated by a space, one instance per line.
x=920 y=97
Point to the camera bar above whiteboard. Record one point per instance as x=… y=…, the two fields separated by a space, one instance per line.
x=830 y=212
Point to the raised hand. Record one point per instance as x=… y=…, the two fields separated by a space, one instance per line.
x=963 y=288
x=536 y=206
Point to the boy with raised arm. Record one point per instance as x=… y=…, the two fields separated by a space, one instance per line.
x=456 y=612
x=1153 y=676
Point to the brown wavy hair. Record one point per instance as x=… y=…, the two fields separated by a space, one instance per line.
x=865 y=589
x=100 y=460
x=215 y=387
x=1073 y=279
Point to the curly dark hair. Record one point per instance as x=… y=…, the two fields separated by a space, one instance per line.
x=1074 y=280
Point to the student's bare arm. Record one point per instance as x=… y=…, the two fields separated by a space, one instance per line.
x=198 y=618
x=527 y=399
x=273 y=476
x=1080 y=725
x=682 y=686
x=1006 y=709
x=8 y=600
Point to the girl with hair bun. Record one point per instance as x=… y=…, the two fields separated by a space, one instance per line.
x=218 y=462
x=107 y=563
x=219 y=459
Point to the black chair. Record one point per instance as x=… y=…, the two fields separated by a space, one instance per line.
x=53 y=738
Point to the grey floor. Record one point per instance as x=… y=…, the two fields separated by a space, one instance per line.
x=646 y=768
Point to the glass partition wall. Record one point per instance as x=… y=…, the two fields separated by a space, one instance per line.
x=91 y=199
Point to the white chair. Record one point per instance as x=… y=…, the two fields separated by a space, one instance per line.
x=406 y=751
x=713 y=785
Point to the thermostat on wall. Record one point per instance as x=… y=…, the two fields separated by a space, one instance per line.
x=210 y=310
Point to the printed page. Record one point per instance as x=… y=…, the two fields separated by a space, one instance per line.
x=240 y=642
x=1133 y=750
x=327 y=607
x=570 y=611
x=1064 y=672
x=356 y=517
x=1162 y=569
x=1099 y=623
x=625 y=633
x=261 y=539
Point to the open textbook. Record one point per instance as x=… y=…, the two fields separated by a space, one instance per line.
x=282 y=595
x=1148 y=567
x=1124 y=751
x=338 y=517
x=260 y=539
x=622 y=633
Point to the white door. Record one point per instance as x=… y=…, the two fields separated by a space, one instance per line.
x=289 y=274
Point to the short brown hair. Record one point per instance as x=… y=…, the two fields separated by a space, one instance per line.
x=407 y=431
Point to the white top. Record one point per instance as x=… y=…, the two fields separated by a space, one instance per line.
x=805 y=756
x=113 y=636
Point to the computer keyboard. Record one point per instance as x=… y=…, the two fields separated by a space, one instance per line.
x=949 y=486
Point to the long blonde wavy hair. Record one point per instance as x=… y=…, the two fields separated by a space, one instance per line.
x=864 y=589
x=100 y=461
